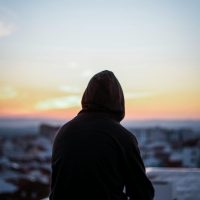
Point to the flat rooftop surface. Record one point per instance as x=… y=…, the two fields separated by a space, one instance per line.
x=186 y=181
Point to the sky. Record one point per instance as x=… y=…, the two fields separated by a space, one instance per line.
x=50 y=49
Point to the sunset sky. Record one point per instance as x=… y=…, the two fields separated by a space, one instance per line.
x=50 y=49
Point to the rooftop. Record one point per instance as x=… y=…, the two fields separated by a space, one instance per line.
x=185 y=181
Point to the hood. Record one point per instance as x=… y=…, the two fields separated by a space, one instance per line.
x=104 y=94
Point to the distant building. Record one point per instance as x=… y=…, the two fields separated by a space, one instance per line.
x=175 y=160
x=48 y=131
x=191 y=153
x=152 y=161
x=187 y=134
x=191 y=156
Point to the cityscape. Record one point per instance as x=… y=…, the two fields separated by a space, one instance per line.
x=25 y=162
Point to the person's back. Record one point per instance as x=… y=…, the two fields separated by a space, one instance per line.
x=94 y=157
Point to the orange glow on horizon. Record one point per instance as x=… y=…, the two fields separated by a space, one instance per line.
x=55 y=104
x=130 y=115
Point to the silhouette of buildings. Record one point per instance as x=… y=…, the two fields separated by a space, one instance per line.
x=25 y=162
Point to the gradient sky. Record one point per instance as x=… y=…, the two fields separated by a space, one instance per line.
x=50 y=49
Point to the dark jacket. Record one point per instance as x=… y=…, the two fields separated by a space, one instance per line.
x=94 y=157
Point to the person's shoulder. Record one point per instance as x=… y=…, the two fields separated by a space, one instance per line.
x=68 y=125
x=125 y=133
x=63 y=131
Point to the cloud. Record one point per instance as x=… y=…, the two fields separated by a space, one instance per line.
x=137 y=95
x=6 y=29
x=59 y=103
x=7 y=92
x=70 y=89
x=87 y=73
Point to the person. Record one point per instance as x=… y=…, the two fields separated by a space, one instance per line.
x=94 y=157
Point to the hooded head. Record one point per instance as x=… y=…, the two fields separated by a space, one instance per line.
x=104 y=94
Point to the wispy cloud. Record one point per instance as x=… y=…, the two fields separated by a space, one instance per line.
x=87 y=73
x=137 y=95
x=6 y=29
x=59 y=103
x=7 y=92
x=69 y=89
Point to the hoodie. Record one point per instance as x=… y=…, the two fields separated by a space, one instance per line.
x=94 y=157
x=104 y=94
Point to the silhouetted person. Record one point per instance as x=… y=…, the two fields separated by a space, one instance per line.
x=94 y=157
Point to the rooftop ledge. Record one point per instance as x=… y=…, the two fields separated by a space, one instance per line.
x=174 y=183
